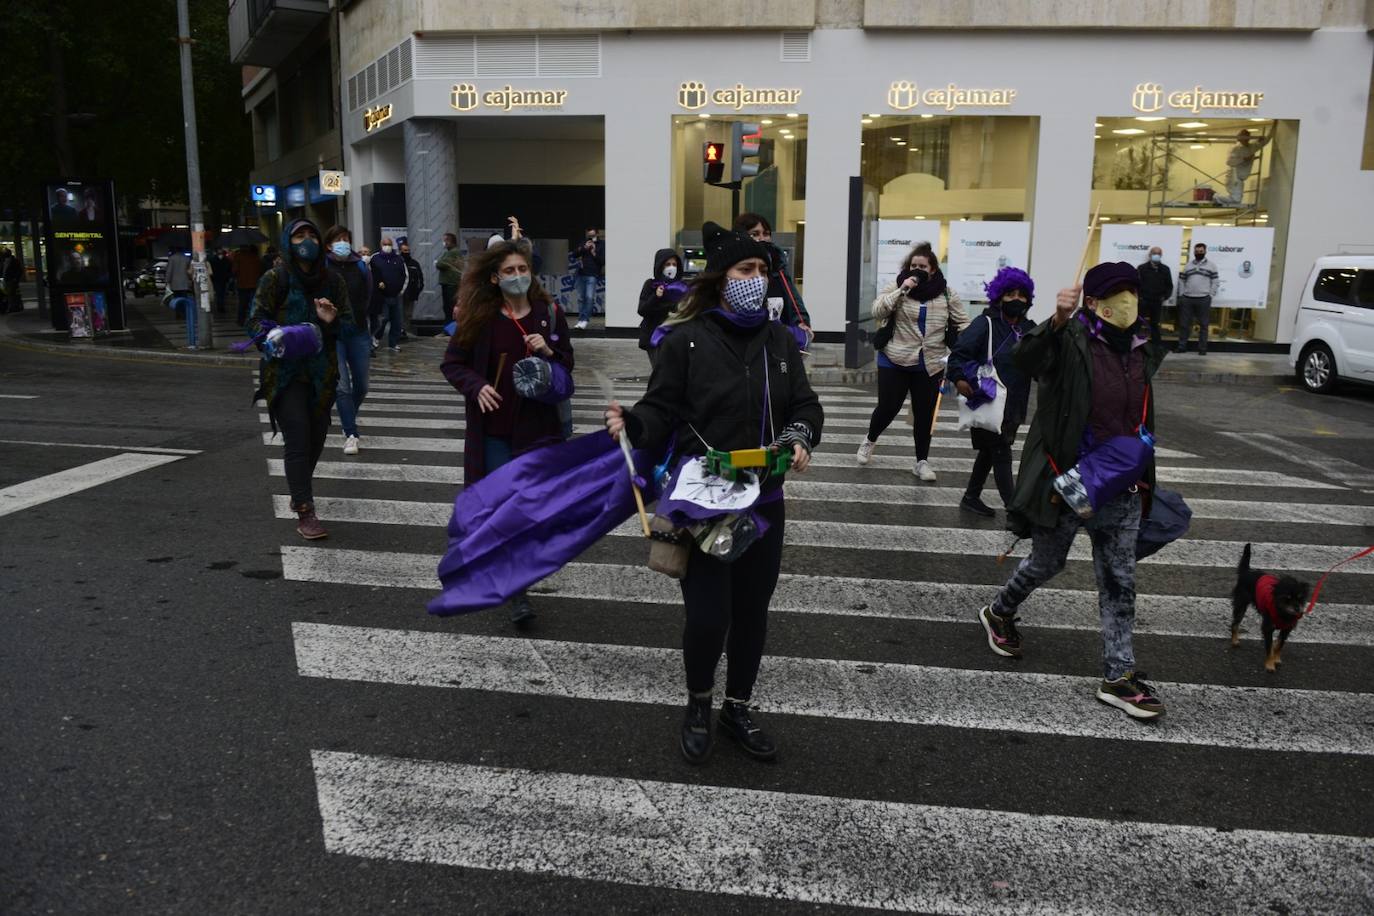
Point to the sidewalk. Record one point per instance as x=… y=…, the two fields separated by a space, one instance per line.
x=155 y=332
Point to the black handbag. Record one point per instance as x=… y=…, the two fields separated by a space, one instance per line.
x=883 y=335
x=951 y=332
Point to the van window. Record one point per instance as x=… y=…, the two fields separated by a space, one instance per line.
x=1364 y=289
x=1333 y=285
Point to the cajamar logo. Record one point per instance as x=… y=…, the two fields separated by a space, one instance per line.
x=904 y=95
x=693 y=95
x=466 y=97
x=1151 y=97
x=1148 y=97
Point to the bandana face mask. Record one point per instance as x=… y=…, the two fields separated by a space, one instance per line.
x=745 y=297
x=1120 y=309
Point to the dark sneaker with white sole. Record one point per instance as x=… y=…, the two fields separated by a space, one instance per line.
x=736 y=722
x=977 y=506
x=521 y=614
x=1002 y=635
x=1131 y=695
x=696 y=730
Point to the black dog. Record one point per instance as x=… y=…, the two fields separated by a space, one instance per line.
x=1279 y=600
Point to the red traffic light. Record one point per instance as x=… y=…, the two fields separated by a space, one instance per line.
x=712 y=152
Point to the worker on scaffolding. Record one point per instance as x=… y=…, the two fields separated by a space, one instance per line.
x=1240 y=161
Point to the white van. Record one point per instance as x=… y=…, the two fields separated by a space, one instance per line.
x=1334 y=339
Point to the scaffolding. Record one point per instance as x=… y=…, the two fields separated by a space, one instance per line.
x=1199 y=199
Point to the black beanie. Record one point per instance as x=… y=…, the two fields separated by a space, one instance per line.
x=725 y=249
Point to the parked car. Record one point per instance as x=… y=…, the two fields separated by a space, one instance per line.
x=1334 y=339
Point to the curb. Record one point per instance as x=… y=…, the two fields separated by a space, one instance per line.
x=210 y=359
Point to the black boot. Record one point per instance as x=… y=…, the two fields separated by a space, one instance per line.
x=736 y=722
x=976 y=505
x=696 y=729
x=520 y=611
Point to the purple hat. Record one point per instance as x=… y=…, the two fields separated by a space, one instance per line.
x=1108 y=277
x=1008 y=279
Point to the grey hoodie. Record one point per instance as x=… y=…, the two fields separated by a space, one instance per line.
x=1198 y=279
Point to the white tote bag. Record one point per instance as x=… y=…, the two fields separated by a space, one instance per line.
x=989 y=415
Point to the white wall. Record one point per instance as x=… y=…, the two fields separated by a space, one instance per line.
x=1066 y=79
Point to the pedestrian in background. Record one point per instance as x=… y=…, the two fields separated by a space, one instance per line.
x=659 y=295
x=179 y=285
x=221 y=272
x=414 y=285
x=1156 y=286
x=388 y=281
x=1010 y=295
x=782 y=289
x=504 y=315
x=728 y=376
x=1198 y=284
x=10 y=272
x=300 y=391
x=591 y=261
x=1094 y=370
x=920 y=306
x=450 y=268
x=247 y=269
x=356 y=350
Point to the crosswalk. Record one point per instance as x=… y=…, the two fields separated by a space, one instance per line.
x=876 y=671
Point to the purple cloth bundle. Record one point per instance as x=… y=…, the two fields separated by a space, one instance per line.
x=1104 y=473
x=542 y=380
x=294 y=341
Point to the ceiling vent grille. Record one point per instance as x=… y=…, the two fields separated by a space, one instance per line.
x=796 y=47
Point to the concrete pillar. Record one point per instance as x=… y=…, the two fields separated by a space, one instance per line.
x=431 y=164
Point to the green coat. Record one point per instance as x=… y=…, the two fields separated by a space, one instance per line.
x=450 y=265
x=272 y=302
x=1060 y=362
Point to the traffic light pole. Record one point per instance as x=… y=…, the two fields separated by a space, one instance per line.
x=200 y=283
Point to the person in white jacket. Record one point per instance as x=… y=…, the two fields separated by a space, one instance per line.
x=920 y=306
x=1240 y=162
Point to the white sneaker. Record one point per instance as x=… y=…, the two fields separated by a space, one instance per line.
x=581 y=326
x=351 y=445
x=866 y=451
x=924 y=471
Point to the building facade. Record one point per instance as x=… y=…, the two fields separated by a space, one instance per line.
x=874 y=117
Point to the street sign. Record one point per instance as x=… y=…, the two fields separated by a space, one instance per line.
x=264 y=193
x=333 y=183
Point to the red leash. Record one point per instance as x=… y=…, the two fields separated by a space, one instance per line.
x=1322 y=581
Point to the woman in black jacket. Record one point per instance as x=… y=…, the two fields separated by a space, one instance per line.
x=659 y=296
x=354 y=352
x=727 y=376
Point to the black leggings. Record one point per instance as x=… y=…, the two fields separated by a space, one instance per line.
x=893 y=386
x=727 y=609
x=303 y=431
x=994 y=454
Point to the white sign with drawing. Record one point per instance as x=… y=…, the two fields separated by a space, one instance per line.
x=1132 y=244
x=980 y=248
x=1242 y=255
x=896 y=238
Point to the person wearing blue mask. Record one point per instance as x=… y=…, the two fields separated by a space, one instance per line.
x=728 y=376
x=1156 y=286
x=355 y=352
x=300 y=390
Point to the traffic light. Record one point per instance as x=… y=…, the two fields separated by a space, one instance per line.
x=712 y=162
x=744 y=144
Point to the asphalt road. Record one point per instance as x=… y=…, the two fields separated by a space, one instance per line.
x=206 y=714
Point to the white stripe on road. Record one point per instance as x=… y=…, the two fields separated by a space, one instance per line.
x=386 y=443
x=152 y=449
x=1310 y=459
x=966 y=543
x=35 y=492
x=390 y=473
x=841 y=596
x=817 y=849
x=1315 y=721
x=20 y=397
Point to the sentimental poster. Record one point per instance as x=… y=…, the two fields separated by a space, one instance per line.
x=896 y=238
x=980 y=248
x=1124 y=242
x=1242 y=255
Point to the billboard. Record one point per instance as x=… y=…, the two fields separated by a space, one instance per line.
x=81 y=233
x=1241 y=255
x=896 y=238
x=980 y=248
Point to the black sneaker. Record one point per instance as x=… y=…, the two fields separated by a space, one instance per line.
x=521 y=614
x=1131 y=695
x=696 y=730
x=977 y=506
x=1002 y=636
x=736 y=722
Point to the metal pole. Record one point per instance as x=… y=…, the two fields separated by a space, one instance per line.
x=200 y=283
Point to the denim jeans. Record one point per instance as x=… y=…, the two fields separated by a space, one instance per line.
x=354 y=357
x=496 y=451
x=1113 y=531
x=393 y=313
x=586 y=297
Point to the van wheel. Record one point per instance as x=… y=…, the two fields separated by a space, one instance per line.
x=1317 y=369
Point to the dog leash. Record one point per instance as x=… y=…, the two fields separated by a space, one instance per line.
x=1322 y=581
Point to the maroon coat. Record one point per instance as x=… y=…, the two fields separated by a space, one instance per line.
x=468 y=370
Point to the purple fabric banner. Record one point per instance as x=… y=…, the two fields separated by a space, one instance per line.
x=529 y=518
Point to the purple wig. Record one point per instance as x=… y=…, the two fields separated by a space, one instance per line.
x=1008 y=279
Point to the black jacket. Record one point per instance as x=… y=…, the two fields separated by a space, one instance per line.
x=972 y=351
x=358 y=279
x=1156 y=282
x=654 y=308
x=415 y=278
x=590 y=264
x=711 y=374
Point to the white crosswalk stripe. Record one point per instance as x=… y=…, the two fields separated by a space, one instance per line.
x=841 y=848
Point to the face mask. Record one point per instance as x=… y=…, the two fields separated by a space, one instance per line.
x=405 y=252
x=307 y=249
x=1120 y=310
x=1014 y=308
x=1199 y=255
x=341 y=249
x=517 y=285
x=386 y=249
x=921 y=275
x=746 y=296
x=1154 y=259
x=670 y=271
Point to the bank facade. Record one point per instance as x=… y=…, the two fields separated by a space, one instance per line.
x=446 y=129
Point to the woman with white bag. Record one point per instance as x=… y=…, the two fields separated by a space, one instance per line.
x=993 y=393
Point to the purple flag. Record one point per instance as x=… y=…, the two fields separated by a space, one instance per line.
x=530 y=517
